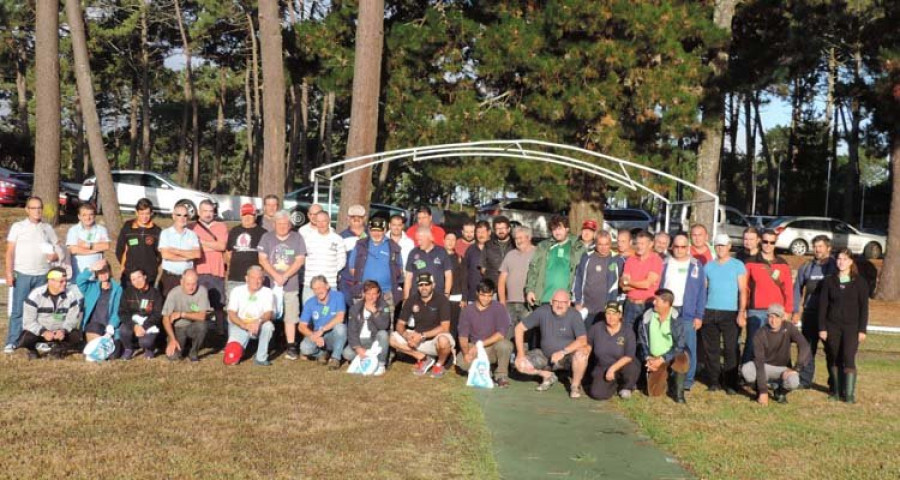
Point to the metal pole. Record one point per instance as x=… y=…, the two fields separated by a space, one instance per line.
x=828 y=187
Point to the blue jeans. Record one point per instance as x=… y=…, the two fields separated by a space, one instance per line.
x=335 y=339
x=381 y=337
x=632 y=316
x=755 y=320
x=238 y=334
x=24 y=284
x=690 y=340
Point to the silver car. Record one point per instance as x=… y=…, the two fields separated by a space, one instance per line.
x=795 y=234
x=532 y=213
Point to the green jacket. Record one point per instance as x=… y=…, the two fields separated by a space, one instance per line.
x=537 y=269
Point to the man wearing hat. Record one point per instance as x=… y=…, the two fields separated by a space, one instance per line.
x=51 y=313
x=355 y=231
x=588 y=234
x=563 y=344
x=616 y=368
x=597 y=278
x=772 y=357
x=242 y=248
x=250 y=311
x=376 y=258
x=425 y=221
x=725 y=315
x=423 y=328
x=213 y=237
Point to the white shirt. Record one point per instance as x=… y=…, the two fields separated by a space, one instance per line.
x=249 y=307
x=95 y=234
x=676 y=278
x=406 y=245
x=325 y=255
x=33 y=242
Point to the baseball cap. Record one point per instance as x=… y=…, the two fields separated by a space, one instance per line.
x=590 y=225
x=722 y=239
x=356 y=211
x=776 y=309
x=424 y=278
x=248 y=209
x=233 y=353
x=613 y=306
x=377 y=223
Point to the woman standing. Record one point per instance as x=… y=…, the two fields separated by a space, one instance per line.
x=843 y=317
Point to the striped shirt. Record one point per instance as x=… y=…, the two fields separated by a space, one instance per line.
x=43 y=311
x=325 y=255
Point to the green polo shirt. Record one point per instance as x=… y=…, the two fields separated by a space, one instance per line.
x=660 y=335
x=558 y=270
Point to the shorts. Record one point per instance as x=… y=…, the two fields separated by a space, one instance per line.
x=428 y=347
x=541 y=362
x=291 y=308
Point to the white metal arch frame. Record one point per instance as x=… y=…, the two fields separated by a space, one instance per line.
x=533 y=150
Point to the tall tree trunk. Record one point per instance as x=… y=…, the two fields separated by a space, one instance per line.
x=22 y=89
x=104 y=183
x=79 y=166
x=750 y=151
x=294 y=144
x=146 y=145
x=133 y=135
x=357 y=185
x=713 y=115
x=772 y=197
x=250 y=157
x=889 y=280
x=47 y=135
x=271 y=180
x=325 y=127
x=796 y=104
x=304 y=117
x=220 y=132
x=829 y=116
x=851 y=179
x=191 y=100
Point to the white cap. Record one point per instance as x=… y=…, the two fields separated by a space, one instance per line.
x=722 y=239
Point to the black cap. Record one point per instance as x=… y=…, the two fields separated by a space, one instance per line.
x=615 y=306
x=378 y=223
x=424 y=278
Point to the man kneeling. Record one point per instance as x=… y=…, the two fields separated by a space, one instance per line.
x=487 y=321
x=613 y=347
x=51 y=314
x=423 y=329
x=369 y=323
x=322 y=324
x=563 y=344
x=772 y=357
x=250 y=308
x=664 y=344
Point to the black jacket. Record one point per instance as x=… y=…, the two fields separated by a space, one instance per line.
x=844 y=304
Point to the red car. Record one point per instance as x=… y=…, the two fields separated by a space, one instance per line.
x=15 y=188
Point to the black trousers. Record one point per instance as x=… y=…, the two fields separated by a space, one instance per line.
x=841 y=347
x=719 y=335
x=71 y=341
x=126 y=334
x=626 y=378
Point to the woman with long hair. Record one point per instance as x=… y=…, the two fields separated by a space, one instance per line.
x=843 y=318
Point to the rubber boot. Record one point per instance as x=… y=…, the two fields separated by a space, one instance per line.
x=835 y=375
x=679 y=387
x=850 y=386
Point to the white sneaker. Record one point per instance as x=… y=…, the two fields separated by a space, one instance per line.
x=43 y=347
x=379 y=371
x=9 y=349
x=625 y=393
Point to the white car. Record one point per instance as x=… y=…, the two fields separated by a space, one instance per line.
x=133 y=185
x=795 y=234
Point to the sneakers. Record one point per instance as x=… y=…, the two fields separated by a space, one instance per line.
x=438 y=371
x=43 y=347
x=149 y=354
x=195 y=358
x=379 y=371
x=127 y=354
x=291 y=353
x=334 y=364
x=576 y=392
x=624 y=394
x=502 y=382
x=423 y=365
x=264 y=363
x=322 y=359
x=9 y=349
x=547 y=383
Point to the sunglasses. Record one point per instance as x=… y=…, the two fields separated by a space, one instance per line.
x=768 y=242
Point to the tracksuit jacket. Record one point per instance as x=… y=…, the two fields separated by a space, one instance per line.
x=679 y=341
x=612 y=276
x=693 y=304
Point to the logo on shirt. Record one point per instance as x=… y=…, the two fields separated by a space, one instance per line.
x=415 y=309
x=620 y=341
x=242 y=243
x=149 y=240
x=598 y=268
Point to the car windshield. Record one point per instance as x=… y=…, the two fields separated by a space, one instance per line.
x=170 y=180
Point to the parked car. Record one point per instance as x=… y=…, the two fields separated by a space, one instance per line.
x=299 y=201
x=532 y=213
x=68 y=192
x=633 y=219
x=13 y=190
x=761 y=221
x=132 y=185
x=795 y=235
x=728 y=220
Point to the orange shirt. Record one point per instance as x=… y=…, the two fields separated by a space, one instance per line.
x=211 y=262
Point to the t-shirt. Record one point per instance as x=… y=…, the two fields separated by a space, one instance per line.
x=243 y=243
x=100 y=314
x=378 y=264
x=608 y=349
x=638 y=270
x=661 y=340
x=437 y=234
x=722 y=293
x=178 y=301
x=282 y=254
x=559 y=272
x=556 y=332
x=515 y=265
x=95 y=234
x=186 y=240
x=434 y=261
x=676 y=278
x=211 y=262
x=421 y=316
x=33 y=241
x=476 y=324
x=318 y=314
x=326 y=256
x=703 y=257
x=250 y=306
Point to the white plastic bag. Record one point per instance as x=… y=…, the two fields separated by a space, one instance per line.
x=367 y=364
x=99 y=349
x=480 y=369
x=278 y=295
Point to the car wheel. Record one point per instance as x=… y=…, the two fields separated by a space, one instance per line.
x=191 y=208
x=872 y=251
x=798 y=247
x=298 y=218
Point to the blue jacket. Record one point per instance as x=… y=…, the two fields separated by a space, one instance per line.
x=352 y=284
x=693 y=304
x=679 y=343
x=810 y=275
x=90 y=288
x=612 y=276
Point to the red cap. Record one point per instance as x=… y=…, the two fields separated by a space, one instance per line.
x=248 y=209
x=233 y=353
x=589 y=224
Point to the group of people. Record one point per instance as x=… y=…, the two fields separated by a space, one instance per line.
x=657 y=311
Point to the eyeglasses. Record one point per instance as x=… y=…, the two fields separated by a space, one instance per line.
x=679 y=246
x=768 y=242
x=179 y=214
x=559 y=302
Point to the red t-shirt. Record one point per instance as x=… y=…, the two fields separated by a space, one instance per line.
x=211 y=262
x=704 y=257
x=770 y=282
x=437 y=233
x=638 y=269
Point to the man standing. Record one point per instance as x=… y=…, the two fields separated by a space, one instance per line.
x=271 y=206
x=30 y=247
x=683 y=275
x=51 y=313
x=355 y=231
x=497 y=248
x=588 y=234
x=751 y=244
x=661 y=241
x=807 y=287
x=322 y=324
x=140 y=314
x=184 y=317
x=424 y=221
x=396 y=224
x=312 y=221
x=513 y=274
x=242 y=248
x=86 y=240
x=213 y=237
x=326 y=255
x=376 y=258
x=475 y=260
x=770 y=281
x=563 y=344
x=724 y=316
x=427 y=258
x=597 y=278
x=488 y=322
x=179 y=247
x=553 y=264
x=250 y=310
x=662 y=338
x=466 y=238
x=700 y=248
x=423 y=328
x=616 y=367
x=640 y=279
x=137 y=247
x=282 y=253
x=772 y=356
x=624 y=248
